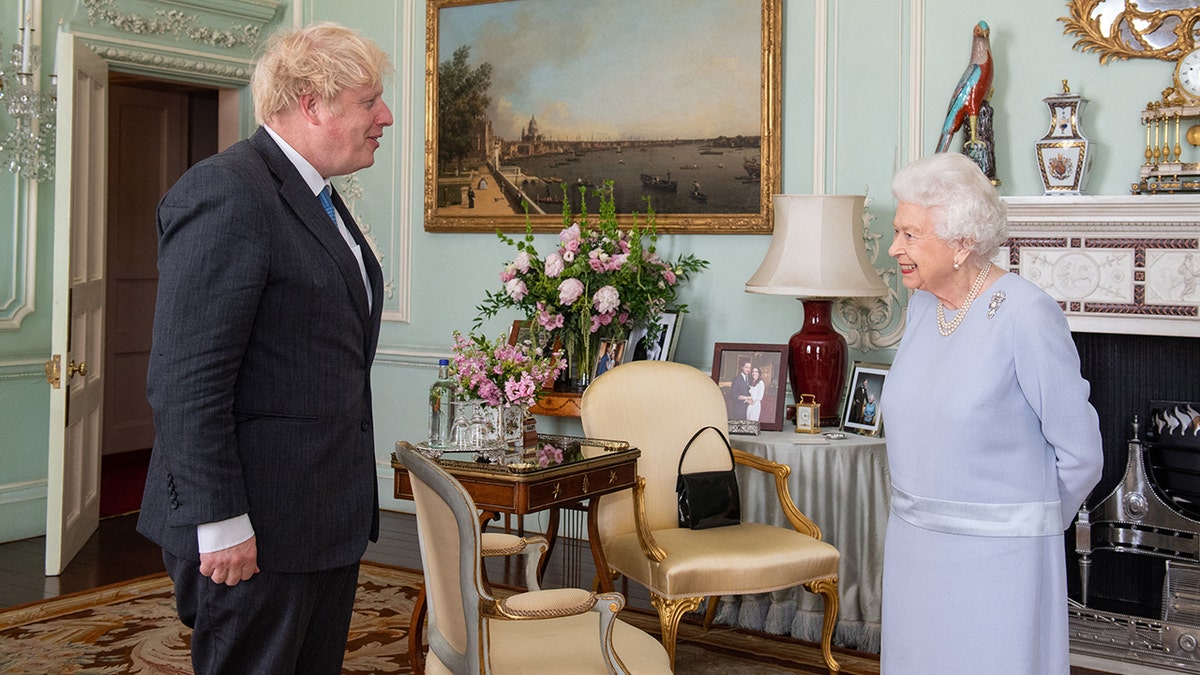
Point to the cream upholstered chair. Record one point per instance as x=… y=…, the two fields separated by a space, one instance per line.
x=657 y=406
x=540 y=631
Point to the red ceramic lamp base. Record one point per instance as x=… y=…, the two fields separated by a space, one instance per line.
x=817 y=361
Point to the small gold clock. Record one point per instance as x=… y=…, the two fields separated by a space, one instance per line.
x=808 y=415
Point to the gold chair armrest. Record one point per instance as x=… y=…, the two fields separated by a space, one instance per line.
x=800 y=522
x=532 y=548
x=550 y=604
x=650 y=548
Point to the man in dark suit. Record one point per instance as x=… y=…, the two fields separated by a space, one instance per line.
x=261 y=488
x=739 y=392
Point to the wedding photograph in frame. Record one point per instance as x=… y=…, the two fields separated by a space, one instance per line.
x=661 y=349
x=862 y=415
x=517 y=107
x=753 y=378
x=519 y=331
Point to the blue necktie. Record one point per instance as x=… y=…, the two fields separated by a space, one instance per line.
x=323 y=195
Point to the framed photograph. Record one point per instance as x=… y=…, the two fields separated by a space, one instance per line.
x=862 y=405
x=611 y=354
x=661 y=349
x=753 y=378
x=519 y=332
x=690 y=132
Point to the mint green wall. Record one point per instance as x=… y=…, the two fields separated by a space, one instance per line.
x=848 y=137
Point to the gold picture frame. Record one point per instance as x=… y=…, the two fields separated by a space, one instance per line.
x=473 y=181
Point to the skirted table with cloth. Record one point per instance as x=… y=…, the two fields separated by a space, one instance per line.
x=844 y=486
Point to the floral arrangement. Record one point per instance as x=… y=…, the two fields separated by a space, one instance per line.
x=600 y=282
x=499 y=373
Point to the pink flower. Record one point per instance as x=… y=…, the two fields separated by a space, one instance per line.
x=554 y=265
x=669 y=275
x=549 y=454
x=507 y=274
x=522 y=388
x=516 y=289
x=606 y=300
x=547 y=320
x=521 y=262
x=569 y=238
x=599 y=320
x=569 y=291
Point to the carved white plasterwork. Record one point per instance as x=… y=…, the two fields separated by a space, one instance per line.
x=1126 y=265
x=871 y=324
x=18 y=302
x=351 y=190
x=1173 y=277
x=173 y=22
x=1066 y=275
x=157 y=62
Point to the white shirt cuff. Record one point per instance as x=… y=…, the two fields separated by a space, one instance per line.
x=224 y=534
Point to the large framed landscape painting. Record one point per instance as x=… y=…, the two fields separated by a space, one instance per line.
x=535 y=105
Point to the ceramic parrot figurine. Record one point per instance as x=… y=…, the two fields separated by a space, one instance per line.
x=973 y=87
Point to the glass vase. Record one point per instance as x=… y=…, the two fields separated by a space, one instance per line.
x=582 y=347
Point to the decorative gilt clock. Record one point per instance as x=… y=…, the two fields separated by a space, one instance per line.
x=1170 y=31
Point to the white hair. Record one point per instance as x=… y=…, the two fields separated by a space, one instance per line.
x=965 y=206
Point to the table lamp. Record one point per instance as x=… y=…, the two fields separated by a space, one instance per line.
x=817 y=255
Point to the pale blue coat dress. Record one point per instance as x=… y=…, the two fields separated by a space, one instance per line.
x=992 y=447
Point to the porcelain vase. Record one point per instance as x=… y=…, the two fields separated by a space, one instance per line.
x=1064 y=155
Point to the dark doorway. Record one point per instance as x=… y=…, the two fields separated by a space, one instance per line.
x=156 y=130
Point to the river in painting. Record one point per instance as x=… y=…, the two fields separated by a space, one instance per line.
x=710 y=180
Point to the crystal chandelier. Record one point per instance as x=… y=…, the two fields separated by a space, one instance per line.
x=28 y=150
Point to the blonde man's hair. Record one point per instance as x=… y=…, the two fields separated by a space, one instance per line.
x=323 y=59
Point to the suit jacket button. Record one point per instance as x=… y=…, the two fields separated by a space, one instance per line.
x=366 y=426
x=174 y=503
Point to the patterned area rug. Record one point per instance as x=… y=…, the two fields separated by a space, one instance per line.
x=133 y=628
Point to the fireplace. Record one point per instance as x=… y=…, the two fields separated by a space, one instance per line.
x=1126 y=271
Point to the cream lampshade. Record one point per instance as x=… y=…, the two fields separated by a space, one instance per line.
x=817 y=255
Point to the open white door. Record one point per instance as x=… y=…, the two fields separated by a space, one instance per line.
x=75 y=370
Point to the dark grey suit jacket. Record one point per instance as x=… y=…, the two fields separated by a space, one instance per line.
x=260 y=371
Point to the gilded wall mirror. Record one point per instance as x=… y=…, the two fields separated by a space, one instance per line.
x=1122 y=29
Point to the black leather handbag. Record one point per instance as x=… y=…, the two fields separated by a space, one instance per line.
x=708 y=498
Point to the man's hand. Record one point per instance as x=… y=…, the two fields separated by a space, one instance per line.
x=231 y=565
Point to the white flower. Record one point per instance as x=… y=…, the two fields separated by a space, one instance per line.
x=516 y=289
x=606 y=300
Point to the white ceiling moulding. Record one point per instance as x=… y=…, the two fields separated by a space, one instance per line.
x=203 y=41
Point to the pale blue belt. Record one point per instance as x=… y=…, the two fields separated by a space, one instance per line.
x=1021 y=519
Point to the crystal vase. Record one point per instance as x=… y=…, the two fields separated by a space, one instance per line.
x=582 y=347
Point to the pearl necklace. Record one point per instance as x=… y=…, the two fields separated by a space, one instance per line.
x=946 y=328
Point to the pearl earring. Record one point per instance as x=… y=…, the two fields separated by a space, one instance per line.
x=955 y=265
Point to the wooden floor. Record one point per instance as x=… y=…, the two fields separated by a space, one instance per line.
x=116 y=552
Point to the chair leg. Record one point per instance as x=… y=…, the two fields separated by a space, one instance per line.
x=710 y=611
x=669 y=614
x=828 y=590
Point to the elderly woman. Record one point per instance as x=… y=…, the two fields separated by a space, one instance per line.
x=992 y=444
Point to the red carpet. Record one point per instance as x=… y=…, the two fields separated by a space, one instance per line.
x=122 y=478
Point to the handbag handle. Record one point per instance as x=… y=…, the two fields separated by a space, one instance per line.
x=696 y=435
